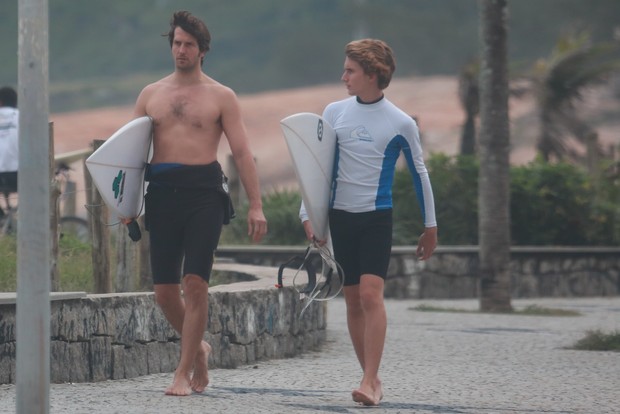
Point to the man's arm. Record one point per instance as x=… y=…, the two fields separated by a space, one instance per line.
x=427 y=243
x=244 y=160
x=140 y=106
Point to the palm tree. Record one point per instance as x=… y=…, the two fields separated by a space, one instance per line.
x=494 y=151
x=559 y=83
x=468 y=96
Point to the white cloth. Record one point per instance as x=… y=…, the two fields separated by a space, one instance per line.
x=370 y=139
x=9 y=141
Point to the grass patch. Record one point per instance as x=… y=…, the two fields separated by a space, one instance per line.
x=536 y=310
x=74 y=264
x=599 y=341
x=8 y=263
x=531 y=310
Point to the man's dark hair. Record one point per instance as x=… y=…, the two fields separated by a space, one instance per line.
x=191 y=25
x=8 y=97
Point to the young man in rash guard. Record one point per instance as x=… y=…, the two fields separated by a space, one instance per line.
x=186 y=201
x=371 y=133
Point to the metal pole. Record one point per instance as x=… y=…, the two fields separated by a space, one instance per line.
x=34 y=240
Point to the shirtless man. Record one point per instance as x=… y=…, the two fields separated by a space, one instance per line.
x=186 y=202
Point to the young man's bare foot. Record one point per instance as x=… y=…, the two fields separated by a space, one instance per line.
x=200 y=378
x=364 y=397
x=378 y=390
x=180 y=386
x=368 y=395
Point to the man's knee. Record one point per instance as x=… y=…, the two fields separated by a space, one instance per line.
x=371 y=291
x=167 y=294
x=195 y=288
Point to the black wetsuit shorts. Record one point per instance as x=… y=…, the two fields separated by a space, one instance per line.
x=362 y=243
x=185 y=208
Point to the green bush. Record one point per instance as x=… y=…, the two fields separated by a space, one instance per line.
x=599 y=341
x=551 y=204
x=282 y=212
x=455 y=182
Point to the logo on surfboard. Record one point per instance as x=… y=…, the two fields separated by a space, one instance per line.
x=319 y=130
x=118 y=186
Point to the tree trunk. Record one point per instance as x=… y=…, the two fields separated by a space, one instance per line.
x=470 y=101
x=494 y=150
x=468 y=137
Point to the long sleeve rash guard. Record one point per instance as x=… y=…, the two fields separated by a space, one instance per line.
x=370 y=138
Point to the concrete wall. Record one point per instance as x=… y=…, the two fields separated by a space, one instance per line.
x=452 y=272
x=114 y=336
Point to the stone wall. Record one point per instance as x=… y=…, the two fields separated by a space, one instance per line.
x=452 y=272
x=99 y=337
x=114 y=336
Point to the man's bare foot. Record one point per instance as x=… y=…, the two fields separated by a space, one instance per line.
x=378 y=391
x=364 y=397
x=369 y=395
x=200 y=378
x=180 y=386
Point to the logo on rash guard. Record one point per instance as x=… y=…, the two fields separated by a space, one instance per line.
x=361 y=133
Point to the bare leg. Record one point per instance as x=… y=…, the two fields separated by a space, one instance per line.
x=367 y=323
x=200 y=377
x=169 y=298
x=355 y=320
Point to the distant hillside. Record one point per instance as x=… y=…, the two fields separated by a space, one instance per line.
x=102 y=52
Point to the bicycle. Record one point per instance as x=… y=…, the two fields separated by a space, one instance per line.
x=68 y=225
x=8 y=220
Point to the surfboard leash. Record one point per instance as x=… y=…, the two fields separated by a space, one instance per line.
x=329 y=283
x=299 y=262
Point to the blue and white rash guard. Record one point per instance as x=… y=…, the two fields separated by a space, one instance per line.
x=370 y=139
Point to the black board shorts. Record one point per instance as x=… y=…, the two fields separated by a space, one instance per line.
x=362 y=243
x=8 y=182
x=185 y=209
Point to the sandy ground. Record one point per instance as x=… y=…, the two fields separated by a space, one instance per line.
x=432 y=100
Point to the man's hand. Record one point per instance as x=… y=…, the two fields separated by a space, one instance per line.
x=310 y=234
x=427 y=243
x=257 y=224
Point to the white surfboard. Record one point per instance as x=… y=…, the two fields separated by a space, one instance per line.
x=117 y=167
x=312 y=145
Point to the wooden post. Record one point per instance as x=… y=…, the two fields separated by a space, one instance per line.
x=33 y=249
x=127 y=261
x=69 y=199
x=100 y=234
x=592 y=156
x=144 y=248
